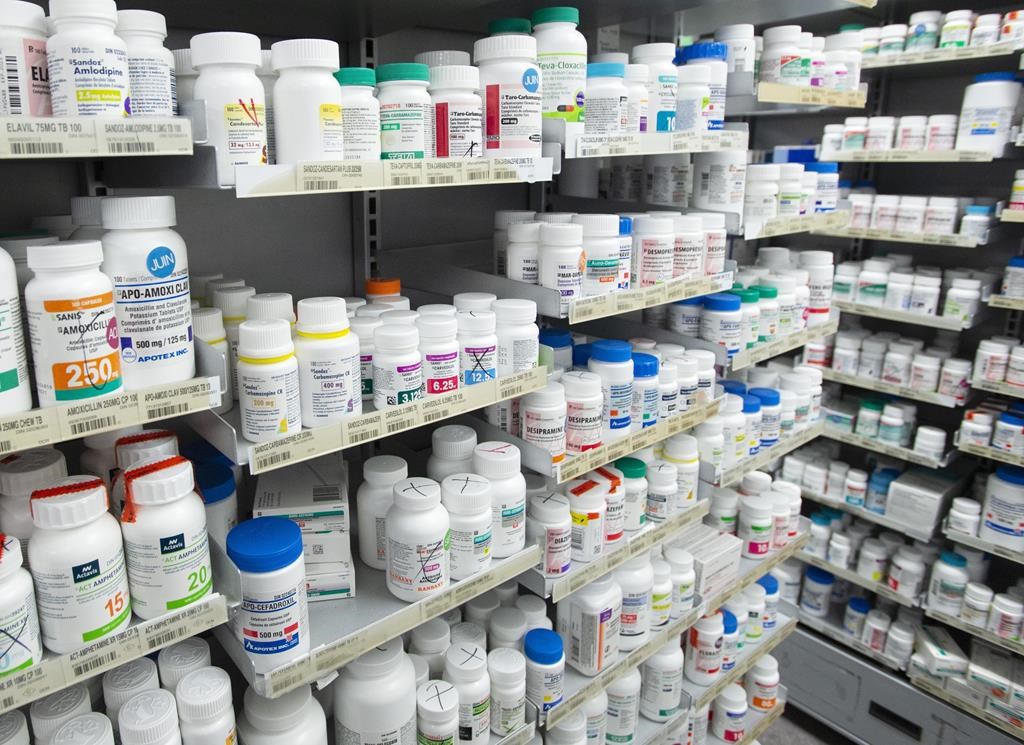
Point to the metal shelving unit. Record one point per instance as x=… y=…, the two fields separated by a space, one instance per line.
x=893 y=451
x=878 y=588
x=881 y=386
x=974 y=542
x=871 y=234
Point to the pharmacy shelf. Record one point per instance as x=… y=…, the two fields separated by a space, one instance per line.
x=902 y=316
x=891 y=236
x=871 y=384
x=930 y=56
x=990 y=453
x=766 y=351
x=1009 y=215
x=578 y=144
x=991 y=548
x=872 y=517
x=440 y=276
x=93 y=137
x=224 y=432
x=58 y=671
x=69 y=421
x=703 y=695
x=777 y=226
x=1005 y=301
x=832 y=627
x=579 y=688
x=1003 y=389
x=571 y=467
x=792 y=94
x=756 y=723
x=908 y=156
x=634 y=544
x=1010 y=645
x=1013 y=725
x=734 y=473
x=878 y=588
x=341 y=630
x=893 y=451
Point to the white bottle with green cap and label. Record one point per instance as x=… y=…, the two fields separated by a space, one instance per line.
x=406 y=112
x=562 y=58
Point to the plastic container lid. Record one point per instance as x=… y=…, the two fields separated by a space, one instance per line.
x=70 y=502
x=431 y=636
x=712 y=50
x=662 y=474
x=632 y=468
x=318 y=53
x=820 y=576
x=160 y=479
x=769 y=583
x=203 y=694
x=464 y=493
x=509 y=26
x=505 y=47
x=561 y=338
x=264 y=544
x=996 y=77
x=557 y=14
x=1011 y=474
x=356 y=76
x=860 y=605
x=751 y=404
x=721 y=301
x=24 y=472
x=606 y=70
x=496 y=459
x=580 y=356
x=549 y=508
x=768 y=396
x=402 y=71
x=452 y=442
x=654 y=51
x=626 y=223
x=50 y=713
x=232 y=301
x=454 y=76
x=543 y=646
x=284 y=713
x=382 y=286
x=417 y=493
x=65 y=255
x=124 y=682
x=822 y=167
x=178 y=660
x=85 y=729
x=736 y=387
x=506 y=666
x=953 y=559
x=465 y=662
x=221 y=47
x=264 y=306
x=645 y=365
x=507 y=623
x=610 y=350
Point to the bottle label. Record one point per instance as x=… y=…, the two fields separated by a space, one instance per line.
x=621 y=718
x=565 y=79
x=636 y=608
x=601 y=274
x=618 y=400
x=544 y=687
x=24 y=79
x=397 y=384
x=13 y=360
x=74 y=345
x=404 y=735
x=406 y=131
x=706 y=651
x=512 y=114
x=440 y=372
x=645 y=406
x=593 y=637
x=169 y=573
x=582 y=427
x=471 y=551
x=458 y=130
x=605 y=114
x=270 y=403
x=546 y=431
x=661 y=691
x=557 y=551
x=507 y=714
x=84 y=602
x=330 y=387
x=758 y=539
x=479 y=363
x=360 y=132
x=656 y=260
x=569 y=281
x=19 y=626
x=474 y=720
x=152 y=85
x=332 y=130
x=245 y=127
x=587 y=535
x=661 y=94
x=509 y=524
x=519 y=355
x=419 y=567
x=89 y=81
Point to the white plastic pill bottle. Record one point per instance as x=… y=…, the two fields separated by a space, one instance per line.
x=589 y=623
x=23 y=46
x=360 y=121
x=437 y=713
x=499 y=462
x=208 y=328
x=478 y=346
x=73 y=362
x=561 y=261
x=439 y=352
x=612 y=361
x=397 y=366
x=636 y=578
x=205 y=712
x=517 y=332
x=164 y=528
x=178 y=660
x=16 y=391
x=85 y=729
x=268 y=554
x=373 y=500
x=562 y=58
x=149 y=718
x=588 y=509
x=406 y=111
x=467 y=497
x=601 y=251
x=545 y=668
x=510 y=81
x=19 y=621
x=458 y=111
x=451 y=451
x=662 y=84
x=375 y=698
x=148 y=264
x=235 y=103
x=704 y=647
x=363 y=327
x=295 y=717
x=124 y=682
x=268 y=380
x=417 y=529
x=87 y=61
x=328 y=358
x=729 y=714
x=150 y=64
x=549 y=525
x=543 y=416
x=465 y=666
x=307 y=101
x=661 y=692
x=607 y=98
x=50 y=713
x=77 y=564
x=507 y=670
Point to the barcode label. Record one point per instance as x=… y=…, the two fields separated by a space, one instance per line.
x=6 y=446
x=404 y=180
x=326 y=493
x=161 y=640
x=321 y=185
x=504 y=174
x=94 y=664
x=162 y=412
x=13 y=88
x=476 y=173
x=37 y=148
x=438 y=179
x=131 y=148
x=92 y=425
x=268 y=461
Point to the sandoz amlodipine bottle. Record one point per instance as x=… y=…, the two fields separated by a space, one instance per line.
x=307 y=101
x=148 y=264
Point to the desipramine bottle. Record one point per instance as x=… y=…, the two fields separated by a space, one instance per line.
x=307 y=101
x=77 y=546
x=68 y=288
x=360 y=113
x=235 y=102
x=85 y=30
x=268 y=373
x=148 y=264
x=151 y=73
x=328 y=356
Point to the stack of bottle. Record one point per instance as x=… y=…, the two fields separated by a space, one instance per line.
x=933 y=29
x=917 y=215
x=996 y=422
x=792 y=56
x=784 y=190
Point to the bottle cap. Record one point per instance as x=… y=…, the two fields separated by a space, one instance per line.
x=265 y=306
x=417 y=494
x=85 y=729
x=99 y=10
x=473 y=301
x=231 y=300
x=503 y=47
x=65 y=255
x=264 y=544
x=223 y=47
x=440 y=57
x=122 y=683
x=158 y=480
x=70 y=502
x=496 y=460
x=282 y=714
x=452 y=442
x=543 y=646
x=363 y=76
x=50 y=713
x=464 y=493
x=203 y=694
x=385 y=470
x=431 y=636
x=549 y=508
x=402 y=71
x=24 y=472
x=86 y=210
x=465 y=662
x=318 y=53
x=264 y=339
x=208 y=324
x=455 y=76
x=178 y=660
x=514 y=310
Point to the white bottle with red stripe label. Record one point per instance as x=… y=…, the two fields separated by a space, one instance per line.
x=458 y=111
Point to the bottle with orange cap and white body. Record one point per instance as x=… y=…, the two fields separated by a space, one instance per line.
x=328 y=355
x=77 y=563
x=166 y=547
x=136 y=448
x=386 y=290
x=268 y=380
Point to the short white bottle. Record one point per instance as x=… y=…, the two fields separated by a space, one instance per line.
x=19 y=620
x=307 y=101
x=636 y=578
x=268 y=381
x=178 y=660
x=20 y=475
x=439 y=350
x=500 y=463
x=205 y=712
x=295 y=717
x=360 y=113
x=149 y=718
x=151 y=73
x=661 y=692
x=467 y=497
x=397 y=366
x=373 y=500
x=451 y=451
x=77 y=546
x=418 y=558
x=465 y=666
x=458 y=111
x=208 y=328
x=164 y=528
x=328 y=357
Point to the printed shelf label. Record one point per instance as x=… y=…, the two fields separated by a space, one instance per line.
x=144 y=136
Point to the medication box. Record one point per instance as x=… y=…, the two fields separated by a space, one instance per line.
x=716 y=559
x=939 y=652
x=921 y=496
x=961 y=689
x=990 y=671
